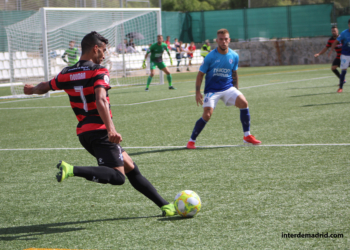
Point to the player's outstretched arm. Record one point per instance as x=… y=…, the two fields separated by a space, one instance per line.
x=41 y=88
x=103 y=110
x=199 y=96
x=171 y=60
x=144 y=61
x=235 y=79
x=64 y=57
x=321 y=52
x=334 y=44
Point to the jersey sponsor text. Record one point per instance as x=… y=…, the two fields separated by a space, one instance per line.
x=78 y=76
x=222 y=72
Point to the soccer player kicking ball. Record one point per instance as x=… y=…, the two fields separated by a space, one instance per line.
x=156 y=51
x=86 y=84
x=221 y=82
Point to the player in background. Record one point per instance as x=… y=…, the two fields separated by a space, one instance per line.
x=179 y=53
x=190 y=50
x=176 y=42
x=206 y=48
x=344 y=39
x=156 y=51
x=72 y=54
x=167 y=41
x=336 y=61
x=221 y=82
x=87 y=85
x=148 y=61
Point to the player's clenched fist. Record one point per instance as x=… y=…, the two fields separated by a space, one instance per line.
x=115 y=137
x=28 y=89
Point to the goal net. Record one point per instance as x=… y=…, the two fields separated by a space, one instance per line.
x=37 y=44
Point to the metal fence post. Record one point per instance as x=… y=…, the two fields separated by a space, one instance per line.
x=289 y=22
x=245 y=24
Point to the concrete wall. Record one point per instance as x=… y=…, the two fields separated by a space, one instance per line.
x=290 y=52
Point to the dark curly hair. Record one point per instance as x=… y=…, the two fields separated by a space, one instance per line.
x=92 y=39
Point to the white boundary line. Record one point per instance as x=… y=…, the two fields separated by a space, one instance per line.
x=208 y=146
x=37 y=107
x=178 y=97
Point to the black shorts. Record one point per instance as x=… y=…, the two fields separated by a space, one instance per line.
x=336 y=62
x=108 y=154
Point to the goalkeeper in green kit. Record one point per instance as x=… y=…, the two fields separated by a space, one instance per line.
x=156 y=51
x=72 y=54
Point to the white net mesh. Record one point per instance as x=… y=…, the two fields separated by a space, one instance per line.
x=136 y=27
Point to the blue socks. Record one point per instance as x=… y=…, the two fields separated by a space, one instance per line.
x=200 y=124
x=245 y=119
x=342 y=77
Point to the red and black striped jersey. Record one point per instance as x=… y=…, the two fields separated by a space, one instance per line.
x=79 y=82
x=337 y=48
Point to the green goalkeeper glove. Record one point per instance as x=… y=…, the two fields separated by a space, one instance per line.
x=144 y=64
x=171 y=61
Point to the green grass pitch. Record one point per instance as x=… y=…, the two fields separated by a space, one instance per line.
x=297 y=181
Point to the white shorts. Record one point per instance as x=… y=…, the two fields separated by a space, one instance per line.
x=228 y=97
x=344 y=61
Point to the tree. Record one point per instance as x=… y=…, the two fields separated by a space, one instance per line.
x=198 y=5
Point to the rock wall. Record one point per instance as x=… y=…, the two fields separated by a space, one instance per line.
x=284 y=52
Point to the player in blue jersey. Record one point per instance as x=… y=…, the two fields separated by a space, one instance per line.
x=221 y=82
x=343 y=38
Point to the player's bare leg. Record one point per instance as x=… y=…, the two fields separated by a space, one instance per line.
x=169 y=77
x=207 y=112
x=141 y=184
x=189 y=63
x=242 y=104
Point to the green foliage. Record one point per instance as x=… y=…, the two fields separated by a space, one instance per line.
x=184 y=5
x=198 y=5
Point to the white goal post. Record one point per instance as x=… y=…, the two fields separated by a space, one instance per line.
x=37 y=44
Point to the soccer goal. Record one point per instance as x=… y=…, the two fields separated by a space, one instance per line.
x=37 y=44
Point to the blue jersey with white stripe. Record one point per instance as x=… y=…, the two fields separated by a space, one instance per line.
x=344 y=38
x=218 y=69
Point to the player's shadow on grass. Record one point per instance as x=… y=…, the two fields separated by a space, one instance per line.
x=324 y=104
x=28 y=232
x=316 y=87
x=175 y=218
x=180 y=149
x=329 y=93
x=158 y=151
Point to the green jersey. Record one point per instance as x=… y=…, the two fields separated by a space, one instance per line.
x=157 y=52
x=73 y=56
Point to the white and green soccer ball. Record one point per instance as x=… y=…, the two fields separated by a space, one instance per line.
x=187 y=203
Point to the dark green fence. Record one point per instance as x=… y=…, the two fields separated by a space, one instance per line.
x=244 y=24
x=342 y=23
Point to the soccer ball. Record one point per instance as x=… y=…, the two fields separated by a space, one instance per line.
x=187 y=203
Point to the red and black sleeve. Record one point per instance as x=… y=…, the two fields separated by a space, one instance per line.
x=54 y=85
x=102 y=79
x=330 y=42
